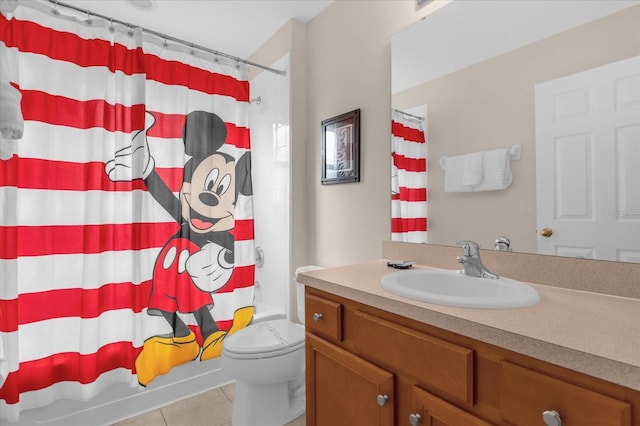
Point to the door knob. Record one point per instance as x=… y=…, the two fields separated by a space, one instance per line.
x=546 y=232
x=415 y=419
x=382 y=400
x=317 y=317
x=551 y=418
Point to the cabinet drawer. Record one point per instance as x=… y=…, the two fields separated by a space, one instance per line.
x=323 y=317
x=444 y=366
x=526 y=394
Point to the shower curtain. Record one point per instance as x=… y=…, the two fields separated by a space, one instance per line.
x=126 y=214
x=408 y=179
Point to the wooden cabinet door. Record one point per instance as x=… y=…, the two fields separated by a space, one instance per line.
x=343 y=389
x=429 y=410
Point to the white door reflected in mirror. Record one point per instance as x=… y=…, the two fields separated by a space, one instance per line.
x=587 y=156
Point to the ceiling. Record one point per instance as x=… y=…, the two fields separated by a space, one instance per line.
x=234 y=27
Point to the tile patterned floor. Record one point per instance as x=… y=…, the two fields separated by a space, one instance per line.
x=212 y=408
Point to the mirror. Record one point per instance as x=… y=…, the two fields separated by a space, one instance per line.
x=475 y=66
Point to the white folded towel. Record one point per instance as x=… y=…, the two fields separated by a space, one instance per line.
x=478 y=171
x=472 y=175
x=454 y=168
x=7 y=148
x=496 y=170
x=11 y=121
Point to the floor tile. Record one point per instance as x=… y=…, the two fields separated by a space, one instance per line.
x=211 y=408
x=229 y=390
x=299 y=421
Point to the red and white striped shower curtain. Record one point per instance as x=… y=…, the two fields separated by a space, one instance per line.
x=408 y=180
x=108 y=236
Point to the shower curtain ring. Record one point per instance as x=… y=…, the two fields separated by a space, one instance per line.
x=55 y=8
x=192 y=52
x=130 y=32
x=111 y=27
x=164 y=42
x=89 y=20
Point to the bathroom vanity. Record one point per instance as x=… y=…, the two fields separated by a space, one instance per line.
x=373 y=358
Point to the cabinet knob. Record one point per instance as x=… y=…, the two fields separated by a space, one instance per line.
x=551 y=418
x=415 y=419
x=382 y=399
x=317 y=317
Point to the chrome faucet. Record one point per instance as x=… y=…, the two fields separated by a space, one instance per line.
x=471 y=262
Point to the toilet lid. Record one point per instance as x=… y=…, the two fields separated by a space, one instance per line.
x=264 y=339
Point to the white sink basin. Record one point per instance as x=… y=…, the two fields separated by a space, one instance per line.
x=446 y=287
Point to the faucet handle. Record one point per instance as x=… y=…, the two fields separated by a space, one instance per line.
x=503 y=244
x=469 y=248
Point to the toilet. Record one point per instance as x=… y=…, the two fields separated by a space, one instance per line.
x=267 y=361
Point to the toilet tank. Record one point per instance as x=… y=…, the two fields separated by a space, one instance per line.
x=300 y=289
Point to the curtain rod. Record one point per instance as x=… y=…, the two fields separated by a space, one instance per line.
x=167 y=37
x=407 y=114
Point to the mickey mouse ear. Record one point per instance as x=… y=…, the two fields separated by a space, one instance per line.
x=203 y=133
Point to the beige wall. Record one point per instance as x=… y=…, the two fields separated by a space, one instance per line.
x=341 y=61
x=348 y=52
x=491 y=105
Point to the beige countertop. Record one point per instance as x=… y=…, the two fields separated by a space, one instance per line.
x=591 y=333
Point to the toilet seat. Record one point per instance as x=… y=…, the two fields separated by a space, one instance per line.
x=264 y=340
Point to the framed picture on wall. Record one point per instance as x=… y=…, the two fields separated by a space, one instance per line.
x=341 y=148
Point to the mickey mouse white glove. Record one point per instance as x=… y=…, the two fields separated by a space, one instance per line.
x=208 y=267
x=133 y=161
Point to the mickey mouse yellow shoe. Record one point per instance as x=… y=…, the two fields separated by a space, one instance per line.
x=212 y=346
x=161 y=354
x=241 y=318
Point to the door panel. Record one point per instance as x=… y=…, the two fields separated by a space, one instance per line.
x=587 y=156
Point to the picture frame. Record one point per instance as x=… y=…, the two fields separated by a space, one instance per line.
x=341 y=148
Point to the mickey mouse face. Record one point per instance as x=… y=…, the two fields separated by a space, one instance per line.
x=208 y=201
